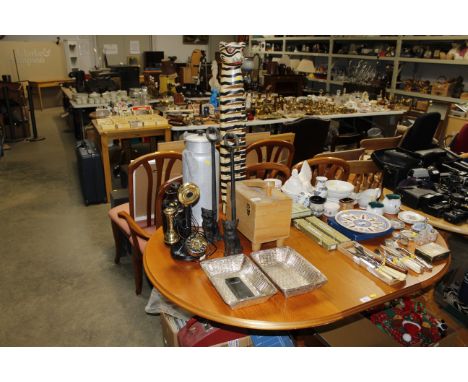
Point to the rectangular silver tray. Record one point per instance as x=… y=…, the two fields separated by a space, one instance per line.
x=218 y=270
x=288 y=270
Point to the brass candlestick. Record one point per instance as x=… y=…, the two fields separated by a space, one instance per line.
x=170 y=236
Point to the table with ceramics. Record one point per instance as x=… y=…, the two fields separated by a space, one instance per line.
x=439 y=223
x=349 y=289
x=275 y=121
x=108 y=132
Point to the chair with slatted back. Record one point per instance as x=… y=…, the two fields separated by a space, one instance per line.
x=332 y=168
x=268 y=170
x=364 y=174
x=311 y=136
x=146 y=176
x=272 y=150
x=354 y=154
x=139 y=236
x=373 y=144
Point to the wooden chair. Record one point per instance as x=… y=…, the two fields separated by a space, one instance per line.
x=139 y=236
x=354 y=154
x=267 y=170
x=373 y=144
x=347 y=139
x=332 y=168
x=311 y=136
x=364 y=174
x=420 y=135
x=272 y=150
x=155 y=176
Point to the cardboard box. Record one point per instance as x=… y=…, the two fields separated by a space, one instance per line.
x=240 y=342
x=455 y=339
x=356 y=331
x=170 y=327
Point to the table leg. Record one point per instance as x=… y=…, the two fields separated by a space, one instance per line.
x=106 y=165
x=153 y=144
x=39 y=92
x=167 y=135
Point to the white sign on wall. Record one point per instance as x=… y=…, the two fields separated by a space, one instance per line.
x=134 y=47
x=111 y=49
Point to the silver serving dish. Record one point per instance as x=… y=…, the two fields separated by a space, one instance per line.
x=221 y=269
x=288 y=270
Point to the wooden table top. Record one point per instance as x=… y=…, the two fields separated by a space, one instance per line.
x=187 y=285
x=51 y=82
x=115 y=132
x=258 y=122
x=461 y=229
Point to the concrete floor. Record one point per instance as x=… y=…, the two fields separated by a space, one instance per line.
x=59 y=285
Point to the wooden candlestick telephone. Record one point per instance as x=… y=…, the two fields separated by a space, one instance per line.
x=183 y=235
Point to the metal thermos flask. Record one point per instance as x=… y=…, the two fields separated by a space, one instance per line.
x=196 y=168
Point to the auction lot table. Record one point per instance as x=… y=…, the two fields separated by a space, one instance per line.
x=109 y=132
x=350 y=288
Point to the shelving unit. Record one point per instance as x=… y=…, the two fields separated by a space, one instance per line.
x=71 y=48
x=427 y=96
x=77 y=54
x=328 y=44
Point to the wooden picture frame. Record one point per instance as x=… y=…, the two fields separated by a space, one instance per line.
x=195 y=40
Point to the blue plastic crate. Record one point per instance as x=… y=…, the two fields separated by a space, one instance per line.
x=272 y=341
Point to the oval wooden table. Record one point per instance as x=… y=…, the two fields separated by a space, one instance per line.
x=350 y=289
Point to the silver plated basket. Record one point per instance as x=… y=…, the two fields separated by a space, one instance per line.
x=288 y=270
x=220 y=269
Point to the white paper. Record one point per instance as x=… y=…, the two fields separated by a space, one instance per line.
x=134 y=47
x=111 y=49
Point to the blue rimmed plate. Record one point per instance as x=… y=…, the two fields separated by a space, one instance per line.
x=363 y=221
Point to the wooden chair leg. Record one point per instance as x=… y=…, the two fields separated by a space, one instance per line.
x=118 y=241
x=137 y=269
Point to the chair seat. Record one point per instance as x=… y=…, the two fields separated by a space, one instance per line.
x=114 y=215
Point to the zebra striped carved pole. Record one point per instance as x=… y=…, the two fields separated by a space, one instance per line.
x=232 y=112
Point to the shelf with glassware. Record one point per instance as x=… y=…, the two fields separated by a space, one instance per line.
x=396 y=50
x=427 y=96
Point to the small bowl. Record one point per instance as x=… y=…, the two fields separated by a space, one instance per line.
x=347 y=203
x=338 y=189
x=419 y=226
x=331 y=209
x=397 y=224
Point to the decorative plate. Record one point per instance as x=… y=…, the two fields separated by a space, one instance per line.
x=411 y=217
x=363 y=221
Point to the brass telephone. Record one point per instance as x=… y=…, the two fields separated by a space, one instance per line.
x=186 y=241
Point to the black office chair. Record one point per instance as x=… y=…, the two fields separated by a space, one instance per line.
x=311 y=137
x=419 y=136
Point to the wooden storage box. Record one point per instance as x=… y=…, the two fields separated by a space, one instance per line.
x=262 y=218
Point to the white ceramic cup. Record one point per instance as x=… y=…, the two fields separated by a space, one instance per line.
x=376 y=208
x=278 y=182
x=330 y=209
